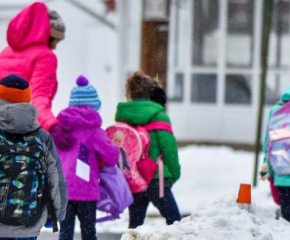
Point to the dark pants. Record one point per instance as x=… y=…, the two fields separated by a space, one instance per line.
x=167 y=206
x=86 y=212
x=284 y=196
x=29 y=238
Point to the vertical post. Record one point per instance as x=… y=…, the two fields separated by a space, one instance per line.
x=267 y=21
x=154 y=43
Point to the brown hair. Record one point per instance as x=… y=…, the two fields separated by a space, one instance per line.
x=139 y=85
x=51 y=39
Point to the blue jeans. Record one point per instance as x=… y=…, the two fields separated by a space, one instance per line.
x=86 y=212
x=29 y=238
x=167 y=206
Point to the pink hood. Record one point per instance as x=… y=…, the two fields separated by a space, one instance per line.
x=29 y=27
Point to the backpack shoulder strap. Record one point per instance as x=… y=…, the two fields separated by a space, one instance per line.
x=158 y=125
x=50 y=207
x=165 y=126
x=38 y=132
x=106 y=218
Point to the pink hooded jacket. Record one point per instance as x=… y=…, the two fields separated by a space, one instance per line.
x=28 y=55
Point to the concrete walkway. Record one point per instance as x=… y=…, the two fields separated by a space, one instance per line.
x=101 y=236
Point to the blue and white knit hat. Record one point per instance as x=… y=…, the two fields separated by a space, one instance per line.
x=84 y=94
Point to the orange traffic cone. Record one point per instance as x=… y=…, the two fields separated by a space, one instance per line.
x=244 y=196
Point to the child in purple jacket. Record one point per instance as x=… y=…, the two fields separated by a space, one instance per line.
x=81 y=144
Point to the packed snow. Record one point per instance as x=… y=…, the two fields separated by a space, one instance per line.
x=221 y=220
x=208 y=190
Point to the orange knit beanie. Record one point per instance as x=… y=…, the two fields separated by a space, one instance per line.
x=15 y=89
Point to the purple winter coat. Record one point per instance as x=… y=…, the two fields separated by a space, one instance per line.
x=81 y=143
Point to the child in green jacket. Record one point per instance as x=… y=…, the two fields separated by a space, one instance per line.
x=140 y=110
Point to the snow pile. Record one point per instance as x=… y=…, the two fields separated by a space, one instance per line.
x=219 y=221
x=207 y=175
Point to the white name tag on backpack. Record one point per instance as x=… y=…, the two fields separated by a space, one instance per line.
x=83 y=170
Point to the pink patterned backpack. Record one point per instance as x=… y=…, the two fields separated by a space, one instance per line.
x=134 y=161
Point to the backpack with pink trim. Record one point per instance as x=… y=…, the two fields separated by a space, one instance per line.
x=134 y=161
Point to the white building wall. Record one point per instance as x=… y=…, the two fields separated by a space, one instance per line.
x=130 y=41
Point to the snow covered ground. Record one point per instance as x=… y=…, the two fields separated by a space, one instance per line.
x=208 y=190
x=220 y=220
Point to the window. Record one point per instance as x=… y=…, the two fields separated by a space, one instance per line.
x=205 y=32
x=204 y=88
x=238 y=89
x=180 y=29
x=175 y=88
x=279 y=48
x=276 y=84
x=280 y=22
x=239 y=42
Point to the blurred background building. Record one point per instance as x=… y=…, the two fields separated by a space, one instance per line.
x=213 y=58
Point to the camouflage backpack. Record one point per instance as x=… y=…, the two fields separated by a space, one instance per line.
x=22 y=178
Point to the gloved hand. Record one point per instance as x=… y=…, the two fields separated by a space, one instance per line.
x=55 y=131
x=61 y=135
x=102 y=164
x=264 y=173
x=48 y=224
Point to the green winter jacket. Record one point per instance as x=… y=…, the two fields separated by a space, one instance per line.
x=279 y=180
x=141 y=112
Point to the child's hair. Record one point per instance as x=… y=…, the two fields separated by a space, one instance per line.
x=138 y=86
x=51 y=39
x=158 y=95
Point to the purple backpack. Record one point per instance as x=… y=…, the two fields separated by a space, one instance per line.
x=116 y=195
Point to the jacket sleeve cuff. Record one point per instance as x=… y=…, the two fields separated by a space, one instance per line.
x=48 y=124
